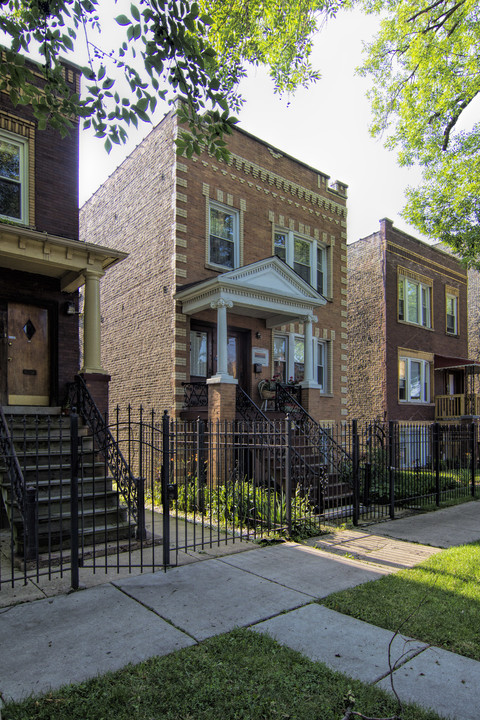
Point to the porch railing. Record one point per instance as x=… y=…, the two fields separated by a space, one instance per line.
x=195 y=394
x=456 y=406
x=130 y=487
x=334 y=454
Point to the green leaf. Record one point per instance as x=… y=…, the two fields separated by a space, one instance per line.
x=122 y=20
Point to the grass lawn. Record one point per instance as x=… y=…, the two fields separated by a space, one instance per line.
x=438 y=601
x=239 y=676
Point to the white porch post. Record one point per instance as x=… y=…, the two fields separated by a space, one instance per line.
x=92 y=362
x=308 y=375
x=222 y=342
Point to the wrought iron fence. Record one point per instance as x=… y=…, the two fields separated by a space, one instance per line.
x=200 y=484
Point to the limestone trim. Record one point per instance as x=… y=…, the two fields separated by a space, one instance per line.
x=247 y=167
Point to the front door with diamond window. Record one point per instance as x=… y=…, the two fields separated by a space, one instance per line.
x=28 y=361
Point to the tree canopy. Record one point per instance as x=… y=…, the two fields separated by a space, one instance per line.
x=198 y=50
x=425 y=66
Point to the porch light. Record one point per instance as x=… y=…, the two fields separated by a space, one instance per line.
x=70 y=308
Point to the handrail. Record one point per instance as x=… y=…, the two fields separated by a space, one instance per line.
x=79 y=397
x=252 y=413
x=313 y=430
x=14 y=470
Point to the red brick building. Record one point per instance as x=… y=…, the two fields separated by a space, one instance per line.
x=43 y=263
x=236 y=272
x=407 y=323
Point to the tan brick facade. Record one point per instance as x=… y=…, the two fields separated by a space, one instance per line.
x=380 y=338
x=156 y=208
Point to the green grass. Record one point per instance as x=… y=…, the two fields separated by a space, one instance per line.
x=239 y=676
x=437 y=602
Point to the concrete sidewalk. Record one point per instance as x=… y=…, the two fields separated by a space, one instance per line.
x=66 y=639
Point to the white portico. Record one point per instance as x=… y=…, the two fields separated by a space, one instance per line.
x=268 y=289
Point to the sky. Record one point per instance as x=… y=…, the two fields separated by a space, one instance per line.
x=325 y=126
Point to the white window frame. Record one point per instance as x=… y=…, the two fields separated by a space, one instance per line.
x=425 y=373
x=320 y=349
x=236 y=235
x=451 y=296
x=314 y=246
x=320 y=358
x=22 y=144
x=423 y=292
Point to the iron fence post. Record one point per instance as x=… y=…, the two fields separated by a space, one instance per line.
x=391 y=468
x=74 y=499
x=356 y=472
x=31 y=534
x=288 y=475
x=436 y=460
x=473 y=455
x=141 y=528
x=165 y=484
x=200 y=502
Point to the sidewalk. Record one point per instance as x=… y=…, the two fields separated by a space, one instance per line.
x=271 y=589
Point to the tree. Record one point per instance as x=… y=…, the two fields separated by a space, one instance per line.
x=197 y=50
x=425 y=66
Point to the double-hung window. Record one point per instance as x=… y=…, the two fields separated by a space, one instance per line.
x=414 y=301
x=413 y=380
x=321 y=365
x=306 y=256
x=289 y=360
x=13 y=177
x=223 y=246
x=451 y=313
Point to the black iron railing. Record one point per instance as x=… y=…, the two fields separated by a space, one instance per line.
x=305 y=474
x=14 y=471
x=333 y=453
x=195 y=394
x=247 y=409
x=130 y=488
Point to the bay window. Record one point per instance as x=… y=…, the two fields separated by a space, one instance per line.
x=289 y=360
x=414 y=301
x=306 y=256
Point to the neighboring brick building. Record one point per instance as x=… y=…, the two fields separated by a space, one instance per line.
x=43 y=263
x=203 y=296
x=407 y=324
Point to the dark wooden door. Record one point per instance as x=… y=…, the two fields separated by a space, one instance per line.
x=237 y=351
x=28 y=356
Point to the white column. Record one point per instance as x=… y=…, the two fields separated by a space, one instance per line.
x=222 y=342
x=92 y=362
x=308 y=377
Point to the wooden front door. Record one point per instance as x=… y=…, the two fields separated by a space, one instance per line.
x=28 y=355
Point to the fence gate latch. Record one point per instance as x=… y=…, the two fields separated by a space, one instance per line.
x=172 y=491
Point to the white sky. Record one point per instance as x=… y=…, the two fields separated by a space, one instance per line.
x=325 y=126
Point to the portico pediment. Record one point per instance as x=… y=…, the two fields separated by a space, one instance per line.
x=267 y=289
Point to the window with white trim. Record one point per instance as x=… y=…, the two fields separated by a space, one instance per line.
x=289 y=360
x=321 y=365
x=13 y=177
x=305 y=255
x=451 y=302
x=413 y=380
x=223 y=233
x=414 y=301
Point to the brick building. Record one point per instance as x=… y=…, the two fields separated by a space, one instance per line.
x=236 y=272
x=408 y=330
x=43 y=263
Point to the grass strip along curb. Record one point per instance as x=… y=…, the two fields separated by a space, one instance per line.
x=436 y=602
x=237 y=676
